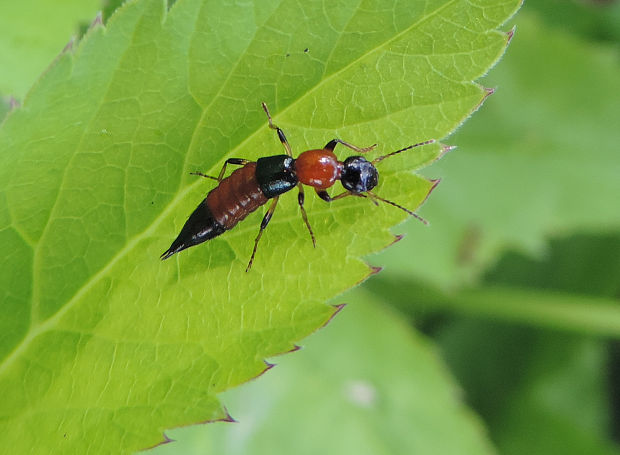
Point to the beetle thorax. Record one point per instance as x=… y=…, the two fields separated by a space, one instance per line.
x=318 y=168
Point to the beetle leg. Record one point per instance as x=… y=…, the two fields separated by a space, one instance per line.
x=235 y=161
x=263 y=225
x=281 y=135
x=304 y=215
x=219 y=178
x=332 y=144
x=203 y=175
x=327 y=198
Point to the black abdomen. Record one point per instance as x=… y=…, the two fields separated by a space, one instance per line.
x=199 y=227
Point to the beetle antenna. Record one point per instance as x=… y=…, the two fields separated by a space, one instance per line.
x=413 y=214
x=381 y=158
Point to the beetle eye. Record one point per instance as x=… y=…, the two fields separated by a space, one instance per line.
x=359 y=175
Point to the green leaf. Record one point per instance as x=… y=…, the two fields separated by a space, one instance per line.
x=33 y=33
x=592 y=315
x=574 y=288
x=394 y=398
x=537 y=307
x=540 y=159
x=102 y=345
x=579 y=264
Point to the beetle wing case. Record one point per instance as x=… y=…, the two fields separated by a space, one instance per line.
x=276 y=174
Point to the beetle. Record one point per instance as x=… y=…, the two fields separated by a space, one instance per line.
x=256 y=182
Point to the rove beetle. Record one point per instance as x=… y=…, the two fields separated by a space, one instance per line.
x=252 y=185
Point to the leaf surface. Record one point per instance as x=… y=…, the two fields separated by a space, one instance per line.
x=102 y=345
x=395 y=398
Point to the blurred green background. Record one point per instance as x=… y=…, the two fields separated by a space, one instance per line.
x=502 y=335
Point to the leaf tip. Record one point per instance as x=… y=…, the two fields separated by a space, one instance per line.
x=489 y=91
x=268 y=366
x=166 y=440
x=97 y=22
x=445 y=149
x=509 y=34
x=434 y=183
x=337 y=309
x=227 y=418
x=13 y=103
x=69 y=46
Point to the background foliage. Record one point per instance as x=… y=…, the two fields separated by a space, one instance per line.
x=515 y=283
